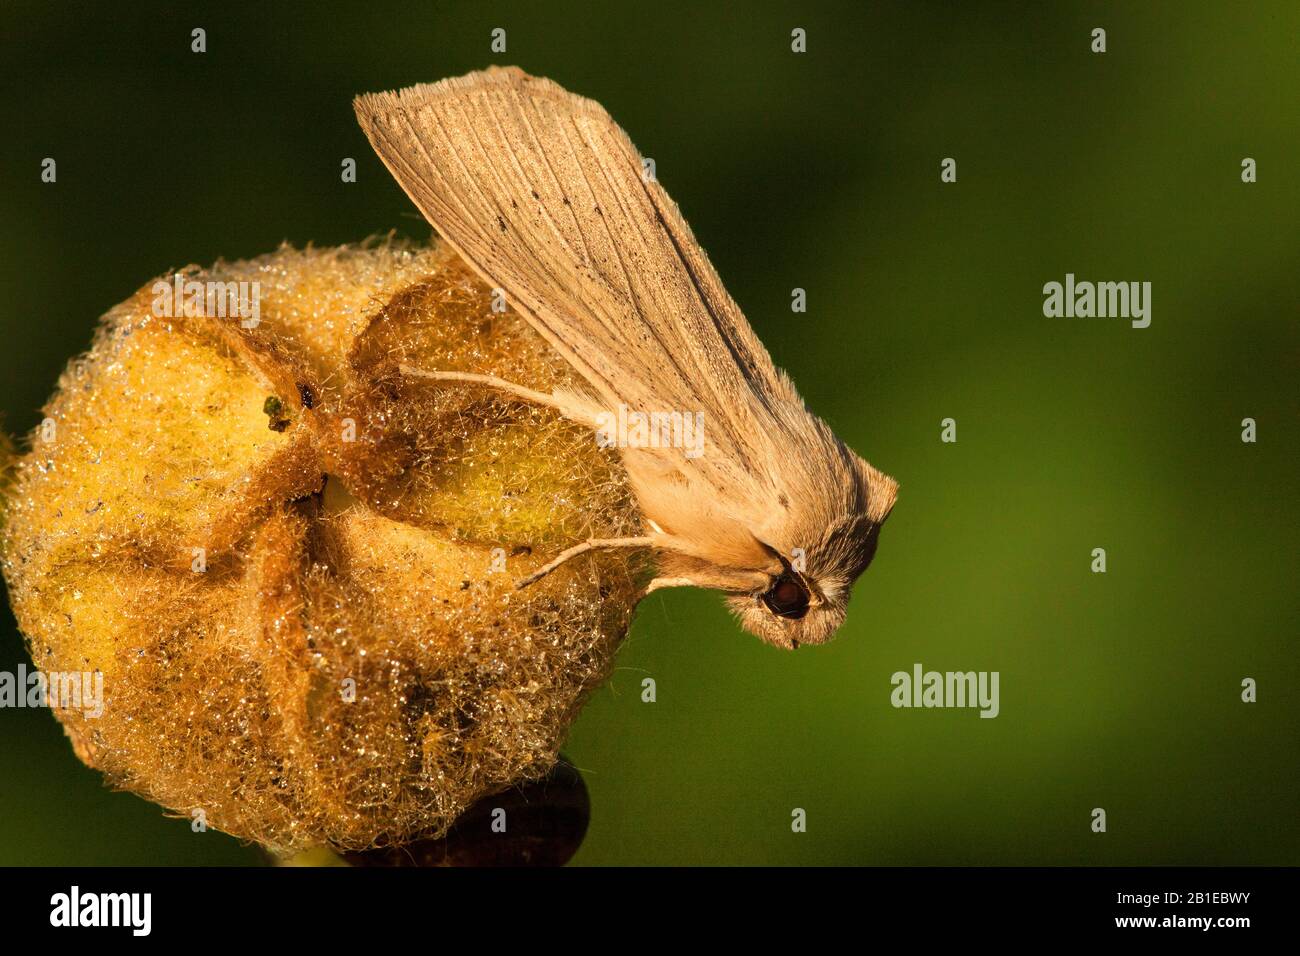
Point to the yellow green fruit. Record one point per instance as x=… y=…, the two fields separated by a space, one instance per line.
x=295 y=568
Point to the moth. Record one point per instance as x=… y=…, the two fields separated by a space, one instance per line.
x=546 y=198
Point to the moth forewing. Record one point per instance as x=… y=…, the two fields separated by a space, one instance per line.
x=544 y=196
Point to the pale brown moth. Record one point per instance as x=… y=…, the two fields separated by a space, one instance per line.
x=546 y=198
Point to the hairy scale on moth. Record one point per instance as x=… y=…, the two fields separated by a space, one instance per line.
x=350 y=662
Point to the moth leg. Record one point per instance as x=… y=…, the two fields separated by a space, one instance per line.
x=658 y=583
x=532 y=396
x=592 y=544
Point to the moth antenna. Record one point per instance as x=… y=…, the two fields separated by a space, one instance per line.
x=659 y=583
x=571 y=406
x=591 y=544
x=532 y=396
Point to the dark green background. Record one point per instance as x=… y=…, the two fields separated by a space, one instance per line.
x=819 y=171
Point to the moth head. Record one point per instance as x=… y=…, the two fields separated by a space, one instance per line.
x=804 y=602
x=791 y=612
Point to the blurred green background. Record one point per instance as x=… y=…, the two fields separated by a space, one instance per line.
x=820 y=171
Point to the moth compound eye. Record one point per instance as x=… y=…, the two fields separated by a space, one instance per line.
x=787 y=597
